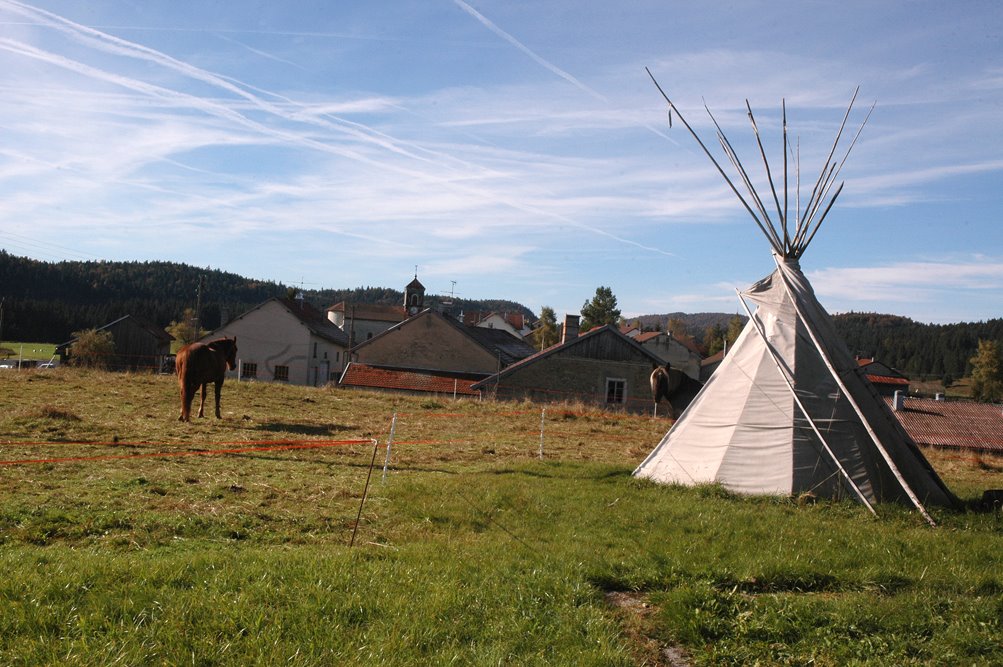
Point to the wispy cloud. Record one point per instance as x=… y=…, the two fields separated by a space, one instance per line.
x=350 y=133
x=919 y=285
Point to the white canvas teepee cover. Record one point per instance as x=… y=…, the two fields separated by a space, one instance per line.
x=788 y=412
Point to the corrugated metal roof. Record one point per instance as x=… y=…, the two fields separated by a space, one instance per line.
x=961 y=424
x=362 y=375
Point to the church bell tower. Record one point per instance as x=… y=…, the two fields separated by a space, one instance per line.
x=414 y=297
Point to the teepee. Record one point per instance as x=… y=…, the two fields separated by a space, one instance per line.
x=788 y=410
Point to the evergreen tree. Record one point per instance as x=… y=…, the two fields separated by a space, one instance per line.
x=713 y=339
x=735 y=326
x=545 y=334
x=601 y=310
x=987 y=372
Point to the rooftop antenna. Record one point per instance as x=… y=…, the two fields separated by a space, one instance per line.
x=452 y=288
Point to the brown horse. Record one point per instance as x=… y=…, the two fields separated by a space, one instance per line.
x=677 y=388
x=199 y=364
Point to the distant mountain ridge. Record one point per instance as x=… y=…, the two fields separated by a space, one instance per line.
x=696 y=323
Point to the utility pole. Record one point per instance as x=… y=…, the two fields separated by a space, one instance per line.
x=198 y=307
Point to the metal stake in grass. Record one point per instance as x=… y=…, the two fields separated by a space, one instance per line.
x=390 y=442
x=543 y=418
x=365 y=491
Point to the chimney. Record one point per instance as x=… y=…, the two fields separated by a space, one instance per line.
x=938 y=397
x=570 y=328
x=898 y=401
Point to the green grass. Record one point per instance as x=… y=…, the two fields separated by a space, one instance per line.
x=473 y=550
x=36 y=351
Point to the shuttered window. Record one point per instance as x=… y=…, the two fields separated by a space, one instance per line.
x=616 y=390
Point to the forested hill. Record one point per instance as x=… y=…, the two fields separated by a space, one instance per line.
x=916 y=349
x=47 y=302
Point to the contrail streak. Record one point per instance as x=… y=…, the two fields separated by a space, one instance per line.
x=487 y=23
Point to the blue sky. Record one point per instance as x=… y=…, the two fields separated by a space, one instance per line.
x=507 y=149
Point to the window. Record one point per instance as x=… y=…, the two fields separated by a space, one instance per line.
x=248 y=370
x=315 y=350
x=282 y=373
x=616 y=390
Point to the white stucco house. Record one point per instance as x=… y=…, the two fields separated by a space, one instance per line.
x=362 y=321
x=514 y=323
x=286 y=340
x=682 y=354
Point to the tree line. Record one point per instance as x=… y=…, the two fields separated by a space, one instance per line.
x=47 y=302
x=921 y=351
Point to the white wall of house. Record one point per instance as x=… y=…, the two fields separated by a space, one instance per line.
x=496 y=321
x=668 y=349
x=274 y=345
x=360 y=328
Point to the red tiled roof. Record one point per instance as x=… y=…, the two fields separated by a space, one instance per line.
x=960 y=424
x=646 y=336
x=690 y=344
x=715 y=358
x=361 y=375
x=884 y=379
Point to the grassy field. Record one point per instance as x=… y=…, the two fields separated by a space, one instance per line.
x=36 y=351
x=127 y=537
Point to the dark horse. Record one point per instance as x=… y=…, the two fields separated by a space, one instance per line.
x=199 y=364
x=677 y=388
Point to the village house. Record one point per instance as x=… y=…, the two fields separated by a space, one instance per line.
x=362 y=321
x=514 y=323
x=885 y=379
x=681 y=353
x=601 y=367
x=432 y=345
x=286 y=340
